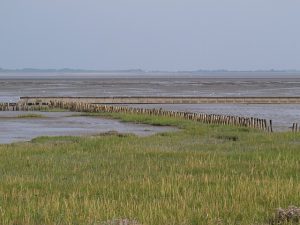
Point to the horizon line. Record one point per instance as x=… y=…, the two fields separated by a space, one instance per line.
x=139 y=70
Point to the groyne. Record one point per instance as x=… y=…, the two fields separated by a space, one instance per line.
x=78 y=106
x=167 y=100
x=81 y=105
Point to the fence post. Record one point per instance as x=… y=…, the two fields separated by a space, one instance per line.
x=271 y=126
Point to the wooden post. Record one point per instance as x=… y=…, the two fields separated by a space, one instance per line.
x=271 y=126
x=293 y=127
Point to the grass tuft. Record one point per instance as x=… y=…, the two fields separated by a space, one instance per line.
x=30 y=115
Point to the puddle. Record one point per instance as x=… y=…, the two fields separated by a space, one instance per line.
x=65 y=124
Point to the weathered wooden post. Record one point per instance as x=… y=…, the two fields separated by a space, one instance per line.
x=293 y=127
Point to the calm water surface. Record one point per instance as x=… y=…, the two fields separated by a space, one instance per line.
x=65 y=124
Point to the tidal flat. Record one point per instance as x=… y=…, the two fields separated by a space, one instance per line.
x=14 y=86
x=226 y=84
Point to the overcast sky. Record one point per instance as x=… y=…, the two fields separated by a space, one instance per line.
x=150 y=34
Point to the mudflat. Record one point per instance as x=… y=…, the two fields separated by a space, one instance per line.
x=225 y=84
x=16 y=85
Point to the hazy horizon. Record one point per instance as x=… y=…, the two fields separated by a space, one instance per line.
x=139 y=70
x=166 y=35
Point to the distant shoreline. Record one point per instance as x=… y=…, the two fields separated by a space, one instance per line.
x=138 y=73
x=70 y=70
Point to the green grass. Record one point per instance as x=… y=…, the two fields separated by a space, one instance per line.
x=202 y=174
x=30 y=115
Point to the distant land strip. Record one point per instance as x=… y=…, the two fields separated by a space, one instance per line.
x=73 y=70
x=167 y=100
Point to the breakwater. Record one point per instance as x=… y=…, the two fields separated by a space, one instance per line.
x=167 y=100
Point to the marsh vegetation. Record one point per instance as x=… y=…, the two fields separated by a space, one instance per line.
x=200 y=174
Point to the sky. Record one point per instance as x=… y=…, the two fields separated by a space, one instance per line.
x=150 y=34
